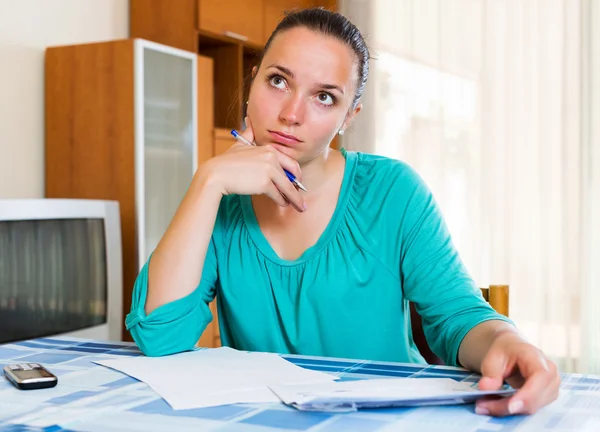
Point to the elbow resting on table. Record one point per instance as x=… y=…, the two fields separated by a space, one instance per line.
x=158 y=342
x=170 y=329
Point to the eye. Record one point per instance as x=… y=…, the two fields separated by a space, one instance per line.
x=326 y=98
x=277 y=81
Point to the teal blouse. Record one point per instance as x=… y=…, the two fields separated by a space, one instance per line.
x=346 y=296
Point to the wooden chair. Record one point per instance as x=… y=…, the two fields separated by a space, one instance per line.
x=495 y=295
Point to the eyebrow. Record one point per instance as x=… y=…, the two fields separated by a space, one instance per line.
x=330 y=87
x=291 y=75
x=283 y=69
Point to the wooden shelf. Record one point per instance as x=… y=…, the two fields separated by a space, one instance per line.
x=241 y=17
x=223 y=140
x=208 y=39
x=222 y=133
x=227 y=76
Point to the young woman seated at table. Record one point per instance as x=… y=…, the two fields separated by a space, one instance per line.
x=331 y=271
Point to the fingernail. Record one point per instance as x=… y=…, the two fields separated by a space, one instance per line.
x=516 y=406
x=481 y=410
x=304 y=205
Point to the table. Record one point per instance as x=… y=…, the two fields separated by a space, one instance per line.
x=90 y=397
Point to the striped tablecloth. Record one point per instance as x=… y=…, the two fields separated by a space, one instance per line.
x=90 y=397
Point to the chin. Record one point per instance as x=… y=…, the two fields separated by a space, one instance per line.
x=291 y=151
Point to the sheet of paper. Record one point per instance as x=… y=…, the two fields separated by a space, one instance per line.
x=387 y=392
x=215 y=377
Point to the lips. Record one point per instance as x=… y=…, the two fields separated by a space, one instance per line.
x=283 y=138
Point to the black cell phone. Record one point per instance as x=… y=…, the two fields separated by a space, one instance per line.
x=30 y=376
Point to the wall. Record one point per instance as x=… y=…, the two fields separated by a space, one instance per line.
x=27 y=27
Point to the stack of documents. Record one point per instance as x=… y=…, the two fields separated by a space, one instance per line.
x=224 y=376
x=379 y=393
x=218 y=376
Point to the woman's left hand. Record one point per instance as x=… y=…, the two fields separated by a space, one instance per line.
x=512 y=359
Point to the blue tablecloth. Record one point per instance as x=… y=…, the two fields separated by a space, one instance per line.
x=90 y=397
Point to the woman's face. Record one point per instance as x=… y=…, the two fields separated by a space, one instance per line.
x=302 y=94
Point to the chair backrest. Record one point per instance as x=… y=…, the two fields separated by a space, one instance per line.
x=495 y=295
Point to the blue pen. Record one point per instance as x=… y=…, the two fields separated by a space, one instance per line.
x=289 y=175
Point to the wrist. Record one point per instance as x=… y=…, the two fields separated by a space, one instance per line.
x=506 y=331
x=207 y=181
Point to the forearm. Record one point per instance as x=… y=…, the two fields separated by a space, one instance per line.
x=478 y=341
x=177 y=262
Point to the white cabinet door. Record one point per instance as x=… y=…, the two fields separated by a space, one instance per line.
x=166 y=137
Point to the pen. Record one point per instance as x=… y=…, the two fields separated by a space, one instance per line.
x=289 y=175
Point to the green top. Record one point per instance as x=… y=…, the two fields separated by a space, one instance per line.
x=346 y=296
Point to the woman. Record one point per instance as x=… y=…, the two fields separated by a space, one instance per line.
x=331 y=271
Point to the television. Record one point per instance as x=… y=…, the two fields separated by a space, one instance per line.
x=60 y=269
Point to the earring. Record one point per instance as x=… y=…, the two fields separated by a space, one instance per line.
x=341 y=132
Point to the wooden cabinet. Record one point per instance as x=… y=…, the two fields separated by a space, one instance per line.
x=206 y=100
x=239 y=19
x=121 y=123
x=164 y=22
x=275 y=11
x=223 y=141
x=227 y=81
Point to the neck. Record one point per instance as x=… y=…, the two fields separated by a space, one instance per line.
x=317 y=171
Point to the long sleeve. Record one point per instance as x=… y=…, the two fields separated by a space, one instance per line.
x=175 y=326
x=435 y=278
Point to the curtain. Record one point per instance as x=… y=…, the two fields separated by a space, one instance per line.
x=590 y=360
x=486 y=100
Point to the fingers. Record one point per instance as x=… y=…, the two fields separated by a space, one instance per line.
x=278 y=162
x=541 y=386
x=285 y=161
x=490 y=383
x=275 y=177
x=288 y=190
x=519 y=403
x=273 y=192
x=516 y=380
x=493 y=370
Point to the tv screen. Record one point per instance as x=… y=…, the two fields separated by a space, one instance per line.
x=53 y=277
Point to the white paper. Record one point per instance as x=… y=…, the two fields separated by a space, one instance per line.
x=213 y=377
x=351 y=395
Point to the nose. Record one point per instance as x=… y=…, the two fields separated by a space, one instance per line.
x=292 y=111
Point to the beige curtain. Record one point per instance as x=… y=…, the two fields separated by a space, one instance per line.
x=590 y=358
x=485 y=99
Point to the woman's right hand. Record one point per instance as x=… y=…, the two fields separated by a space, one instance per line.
x=255 y=170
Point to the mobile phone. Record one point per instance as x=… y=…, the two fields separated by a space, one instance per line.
x=30 y=376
